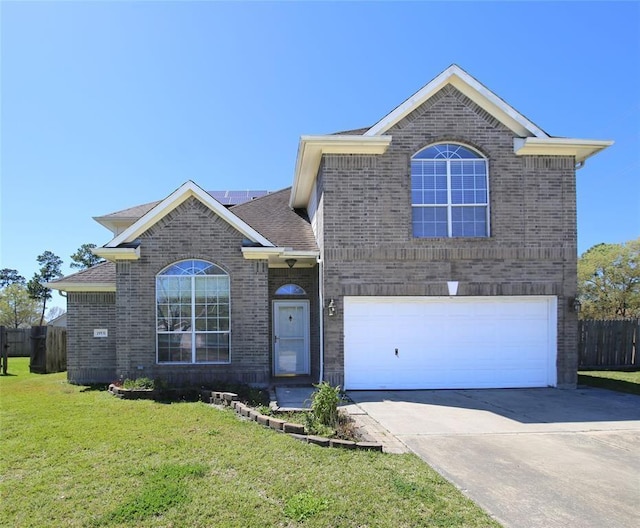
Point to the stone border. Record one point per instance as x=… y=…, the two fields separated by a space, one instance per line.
x=133 y=394
x=149 y=394
x=230 y=399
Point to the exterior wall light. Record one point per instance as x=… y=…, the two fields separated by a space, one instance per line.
x=452 y=286
x=575 y=305
x=331 y=308
x=291 y=262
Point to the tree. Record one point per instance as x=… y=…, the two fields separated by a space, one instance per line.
x=17 y=308
x=54 y=313
x=49 y=270
x=84 y=258
x=609 y=281
x=10 y=276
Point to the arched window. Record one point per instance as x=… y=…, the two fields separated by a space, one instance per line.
x=290 y=289
x=192 y=306
x=449 y=192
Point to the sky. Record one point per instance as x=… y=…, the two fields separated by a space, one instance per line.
x=107 y=105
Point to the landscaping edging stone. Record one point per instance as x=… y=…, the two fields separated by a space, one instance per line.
x=133 y=394
x=150 y=394
x=294 y=430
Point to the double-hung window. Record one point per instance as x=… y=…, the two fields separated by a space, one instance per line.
x=449 y=192
x=192 y=313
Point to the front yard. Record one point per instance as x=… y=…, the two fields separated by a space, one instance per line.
x=75 y=456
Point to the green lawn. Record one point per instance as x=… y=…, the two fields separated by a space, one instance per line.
x=611 y=379
x=72 y=456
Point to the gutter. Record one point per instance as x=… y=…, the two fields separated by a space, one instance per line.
x=321 y=316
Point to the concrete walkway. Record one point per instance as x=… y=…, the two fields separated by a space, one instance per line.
x=533 y=458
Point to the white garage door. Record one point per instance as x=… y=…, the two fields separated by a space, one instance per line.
x=449 y=342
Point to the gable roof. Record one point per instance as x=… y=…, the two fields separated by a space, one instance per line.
x=98 y=278
x=474 y=90
x=269 y=215
x=272 y=216
x=118 y=221
x=529 y=138
x=156 y=213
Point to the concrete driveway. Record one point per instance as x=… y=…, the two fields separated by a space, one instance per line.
x=530 y=457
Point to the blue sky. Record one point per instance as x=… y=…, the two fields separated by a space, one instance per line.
x=105 y=105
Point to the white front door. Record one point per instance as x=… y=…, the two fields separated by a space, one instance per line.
x=290 y=338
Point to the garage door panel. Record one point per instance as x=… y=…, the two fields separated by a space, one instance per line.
x=471 y=342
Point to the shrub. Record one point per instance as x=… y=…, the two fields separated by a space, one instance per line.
x=139 y=383
x=324 y=404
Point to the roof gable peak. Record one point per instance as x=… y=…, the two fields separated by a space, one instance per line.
x=474 y=90
x=179 y=196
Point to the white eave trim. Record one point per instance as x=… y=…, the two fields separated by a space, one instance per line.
x=179 y=196
x=474 y=90
x=263 y=253
x=310 y=151
x=116 y=226
x=581 y=149
x=82 y=287
x=113 y=254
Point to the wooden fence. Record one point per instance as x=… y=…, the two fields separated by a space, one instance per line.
x=56 y=347
x=608 y=344
x=18 y=341
x=46 y=346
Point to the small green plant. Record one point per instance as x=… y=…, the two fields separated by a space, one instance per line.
x=324 y=404
x=304 y=505
x=139 y=383
x=324 y=417
x=314 y=427
x=265 y=410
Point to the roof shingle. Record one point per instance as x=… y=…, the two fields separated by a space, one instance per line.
x=99 y=274
x=272 y=217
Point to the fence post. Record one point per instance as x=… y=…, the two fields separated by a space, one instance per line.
x=4 y=352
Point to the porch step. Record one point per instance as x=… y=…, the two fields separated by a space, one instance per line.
x=293 y=398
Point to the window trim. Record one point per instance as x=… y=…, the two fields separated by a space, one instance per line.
x=193 y=331
x=449 y=205
x=301 y=293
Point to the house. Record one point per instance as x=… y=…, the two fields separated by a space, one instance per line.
x=434 y=249
x=60 y=321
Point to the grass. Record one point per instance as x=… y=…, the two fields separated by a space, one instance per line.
x=612 y=380
x=78 y=457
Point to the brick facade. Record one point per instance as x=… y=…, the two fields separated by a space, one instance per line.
x=193 y=231
x=91 y=359
x=368 y=247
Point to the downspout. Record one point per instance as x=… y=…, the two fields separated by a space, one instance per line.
x=321 y=315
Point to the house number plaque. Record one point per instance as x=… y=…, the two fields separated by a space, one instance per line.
x=100 y=332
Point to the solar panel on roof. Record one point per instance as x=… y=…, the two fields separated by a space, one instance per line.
x=236 y=197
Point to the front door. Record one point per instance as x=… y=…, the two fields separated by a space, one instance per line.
x=290 y=338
